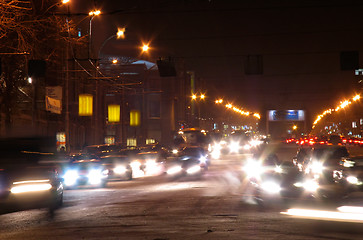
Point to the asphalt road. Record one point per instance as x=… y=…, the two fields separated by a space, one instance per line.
x=218 y=206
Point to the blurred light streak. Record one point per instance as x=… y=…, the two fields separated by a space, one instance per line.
x=325 y=215
x=350 y=209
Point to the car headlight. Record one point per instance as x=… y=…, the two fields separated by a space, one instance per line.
x=309 y=185
x=253 y=169
x=234 y=147
x=120 y=169
x=193 y=169
x=348 y=163
x=316 y=167
x=203 y=159
x=255 y=143
x=174 y=170
x=278 y=169
x=95 y=176
x=135 y=165
x=30 y=186
x=271 y=187
x=152 y=167
x=70 y=177
x=353 y=180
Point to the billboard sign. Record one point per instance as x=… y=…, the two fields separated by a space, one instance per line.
x=286 y=115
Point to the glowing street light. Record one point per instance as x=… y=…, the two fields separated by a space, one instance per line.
x=145 y=48
x=120 y=33
x=63 y=2
x=94 y=13
x=356 y=97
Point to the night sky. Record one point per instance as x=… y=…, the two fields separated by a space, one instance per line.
x=213 y=38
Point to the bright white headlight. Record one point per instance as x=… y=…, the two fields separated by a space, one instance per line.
x=271 y=187
x=193 y=169
x=317 y=167
x=95 y=176
x=174 y=170
x=353 y=180
x=278 y=169
x=348 y=163
x=120 y=169
x=203 y=159
x=135 y=165
x=309 y=185
x=70 y=177
x=234 y=147
x=253 y=168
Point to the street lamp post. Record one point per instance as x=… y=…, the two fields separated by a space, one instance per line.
x=119 y=35
x=92 y=14
x=198 y=100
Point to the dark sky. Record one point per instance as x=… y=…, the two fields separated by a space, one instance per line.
x=213 y=38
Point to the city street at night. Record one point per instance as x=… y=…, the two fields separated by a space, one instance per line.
x=181 y=119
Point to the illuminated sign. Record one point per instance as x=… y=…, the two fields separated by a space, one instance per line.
x=286 y=115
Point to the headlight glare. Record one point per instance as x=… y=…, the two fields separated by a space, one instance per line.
x=174 y=170
x=352 y=180
x=95 y=176
x=120 y=169
x=194 y=169
x=30 y=186
x=271 y=187
x=70 y=177
x=253 y=168
x=317 y=167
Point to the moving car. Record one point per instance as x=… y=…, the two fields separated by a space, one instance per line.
x=189 y=161
x=273 y=181
x=24 y=183
x=324 y=160
x=149 y=160
x=118 y=167
x=85 y=172
x=30 y=187
x=350 y=173
x=322 y=167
